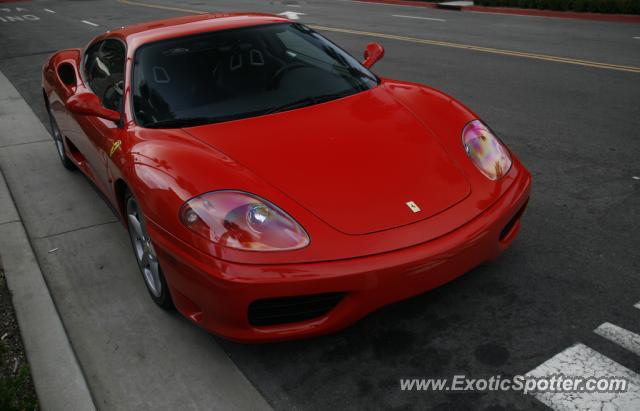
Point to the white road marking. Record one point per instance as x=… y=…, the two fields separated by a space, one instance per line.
x=24 y=17
x=9 y=19
x=292 y=15
x=620 y=336
x=635 y=177
x=581 y=361
x=637 y=38
x=89 y=23
x=416 y=17
x=637 y=306
x=49 y=11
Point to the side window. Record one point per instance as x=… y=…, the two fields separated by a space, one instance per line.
x=104 y=69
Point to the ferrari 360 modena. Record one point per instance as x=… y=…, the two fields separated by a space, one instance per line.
x=272 y=185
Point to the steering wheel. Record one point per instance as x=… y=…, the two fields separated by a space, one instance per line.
x=113 y=93
x=277 y=76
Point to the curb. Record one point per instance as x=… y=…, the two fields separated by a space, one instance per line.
x=616 y=18
x=57 y=376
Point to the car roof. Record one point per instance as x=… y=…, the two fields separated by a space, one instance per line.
x=137 y=34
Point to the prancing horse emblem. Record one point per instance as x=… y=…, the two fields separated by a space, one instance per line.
x=413 y=206
x=115 y=147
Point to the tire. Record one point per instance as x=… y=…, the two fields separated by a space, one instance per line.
x=145 y=254
x=57 y=138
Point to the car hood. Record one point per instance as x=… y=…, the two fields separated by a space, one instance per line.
x=354 y=162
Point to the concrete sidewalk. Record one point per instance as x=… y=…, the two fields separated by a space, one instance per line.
x=57 y=377
x=132 y=354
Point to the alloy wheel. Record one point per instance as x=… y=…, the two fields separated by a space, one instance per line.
x=143 y=248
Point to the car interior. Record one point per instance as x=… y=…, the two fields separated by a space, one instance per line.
x=104 y=68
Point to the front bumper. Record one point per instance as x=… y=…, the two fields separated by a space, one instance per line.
x=217 y=294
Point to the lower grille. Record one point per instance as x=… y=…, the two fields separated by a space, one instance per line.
x=272 y=311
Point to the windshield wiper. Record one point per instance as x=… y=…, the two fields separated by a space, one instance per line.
x=180 y=122
x=197 y=121
x=307 y=101
x=333 y=96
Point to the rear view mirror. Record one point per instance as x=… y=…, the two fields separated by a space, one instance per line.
x=372 y=54
x=88 y=104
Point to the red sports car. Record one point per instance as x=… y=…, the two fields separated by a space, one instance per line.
x=272 y=185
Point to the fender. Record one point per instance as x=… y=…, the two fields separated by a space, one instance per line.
x=447 y=117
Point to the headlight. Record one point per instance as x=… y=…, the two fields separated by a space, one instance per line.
x=485 y=150
x=242 y=221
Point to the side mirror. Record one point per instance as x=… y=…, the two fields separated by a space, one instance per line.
x=372 y=54
x=88 y=104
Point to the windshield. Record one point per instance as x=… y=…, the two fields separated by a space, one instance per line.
x=240 y=73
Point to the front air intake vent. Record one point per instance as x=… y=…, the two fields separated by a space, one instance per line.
x=283 y=310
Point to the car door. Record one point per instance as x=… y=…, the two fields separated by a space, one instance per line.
x=103 y=71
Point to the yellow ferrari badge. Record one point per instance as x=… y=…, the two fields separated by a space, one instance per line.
x=116 y=145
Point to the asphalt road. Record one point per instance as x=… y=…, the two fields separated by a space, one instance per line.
x=575 y=124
